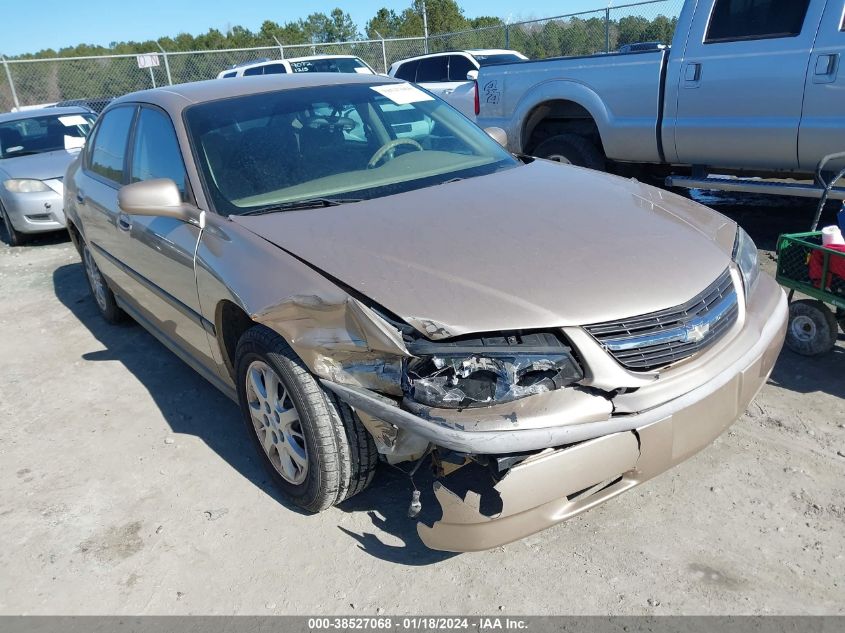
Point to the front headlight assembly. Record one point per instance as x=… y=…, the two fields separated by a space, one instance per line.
x=25 y=185
x=745 y=256
x=458 y=375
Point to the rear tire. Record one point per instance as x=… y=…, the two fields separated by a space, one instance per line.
x=103 y=296
x=312 y=445
x=571 y=149
x=13 y=236
x=812 y=328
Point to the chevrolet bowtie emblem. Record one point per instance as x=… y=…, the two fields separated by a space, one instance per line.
x=696 y=333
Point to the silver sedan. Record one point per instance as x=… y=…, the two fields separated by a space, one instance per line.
x=36 y=147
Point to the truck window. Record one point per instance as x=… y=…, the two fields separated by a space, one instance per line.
x=275 y=69
x=255 y=70
x=733 y=20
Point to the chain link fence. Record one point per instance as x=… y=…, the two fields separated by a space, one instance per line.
x=30 y=82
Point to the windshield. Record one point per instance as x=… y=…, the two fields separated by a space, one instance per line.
x=504 y=58
x=354 y=141
x=36 y=135
x=331 y=65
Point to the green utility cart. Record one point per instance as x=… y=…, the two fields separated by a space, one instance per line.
x=806 y=267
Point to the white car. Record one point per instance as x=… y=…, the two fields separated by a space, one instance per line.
x=451 y=76
x=311 y=64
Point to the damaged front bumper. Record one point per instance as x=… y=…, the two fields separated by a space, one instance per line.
x=615 y=453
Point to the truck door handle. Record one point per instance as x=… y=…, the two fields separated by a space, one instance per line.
x=80 y=197
x=448 y=91
x=827 y=67
x=124 y=222
x=692 y=74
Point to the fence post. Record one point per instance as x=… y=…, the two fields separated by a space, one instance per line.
x=607 y=30
x=281 y=48
x=383 y=50
x=166 y=64
x=507 y=35
x=11 y=83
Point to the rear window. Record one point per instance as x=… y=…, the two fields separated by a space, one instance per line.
x=504 y=58
x=433 y=69
x=255 y=70
x=756 y=19
x=408 y=71
x=275 y=69
x=459 y=66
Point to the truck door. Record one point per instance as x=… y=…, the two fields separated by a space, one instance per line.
x=823 y=120
x=741 y=82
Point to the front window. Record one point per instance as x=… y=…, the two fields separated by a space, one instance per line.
x=36 y=135
x=358 y=141
x=331 y=65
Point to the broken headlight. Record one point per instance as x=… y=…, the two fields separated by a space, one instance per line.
x=456 y=377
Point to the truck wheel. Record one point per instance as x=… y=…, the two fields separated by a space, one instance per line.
x=812 y=328
x=311 y=444
x=571 y=149
x=13 y=236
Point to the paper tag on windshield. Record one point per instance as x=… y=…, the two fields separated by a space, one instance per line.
x=74 y=119
x=402 y=94
x=362 y=71
x=74 y=142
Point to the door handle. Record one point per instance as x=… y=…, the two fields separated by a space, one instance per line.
x=448 y=91
x=80 y=197
x=124 y=222
x=692 y=74
x=827 y=68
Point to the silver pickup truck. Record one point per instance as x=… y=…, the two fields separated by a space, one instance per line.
x=748 y=87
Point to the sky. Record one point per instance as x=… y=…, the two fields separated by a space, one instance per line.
x=103 y=21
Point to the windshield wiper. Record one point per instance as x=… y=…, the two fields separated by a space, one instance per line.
x=296 y=205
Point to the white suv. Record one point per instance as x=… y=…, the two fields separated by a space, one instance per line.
x=451 y=75
x=312 y=64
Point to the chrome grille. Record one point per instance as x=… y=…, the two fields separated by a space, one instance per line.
x=652 y=341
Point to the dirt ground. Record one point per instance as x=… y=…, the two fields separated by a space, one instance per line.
x=128 y=486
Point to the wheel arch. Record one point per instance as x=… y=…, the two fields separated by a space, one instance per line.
x=230 y=323
x=560 y=103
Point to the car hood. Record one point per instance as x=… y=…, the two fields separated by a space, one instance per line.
x=537 y=246
x=39 y=166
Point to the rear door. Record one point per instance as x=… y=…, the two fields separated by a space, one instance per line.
x=823 y=120
x=96 y=185
x=161 y=250
x=741 y=82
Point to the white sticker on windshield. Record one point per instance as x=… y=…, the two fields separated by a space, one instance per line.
x=74 y=119
x=74 y=142
x=402 y=94
x=363 y=71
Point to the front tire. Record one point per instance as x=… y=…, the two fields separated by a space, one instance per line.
x=13 y=236
x=103 y=296
x=310 y=443
x=812 y=328
x=572 y=149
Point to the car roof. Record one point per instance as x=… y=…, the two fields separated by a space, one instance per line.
x=291 y=59
x=176 y=98
x=37 y=112
x=469 y=51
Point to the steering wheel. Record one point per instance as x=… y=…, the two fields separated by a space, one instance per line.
x=382 y=151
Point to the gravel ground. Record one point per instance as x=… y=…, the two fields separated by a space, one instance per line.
x=128 y=486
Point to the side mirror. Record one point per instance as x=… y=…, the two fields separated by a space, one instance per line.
x=472 y=75
x=158 y=198
x=498 y=135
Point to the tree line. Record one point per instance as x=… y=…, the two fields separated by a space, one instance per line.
x=574 y=36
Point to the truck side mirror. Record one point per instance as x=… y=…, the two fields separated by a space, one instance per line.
x=472 y=75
